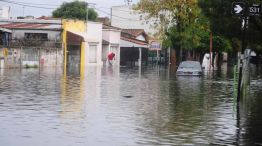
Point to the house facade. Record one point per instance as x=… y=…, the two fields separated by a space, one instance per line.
x=5 y=12
x=71 y=44
x=31 y=43
x=134 y=47
x=111 y=44
x=127 y=18
x=82 y=43
x=94 y=44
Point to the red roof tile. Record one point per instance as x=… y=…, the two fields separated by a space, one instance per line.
x=134 y=32
x=22 y=25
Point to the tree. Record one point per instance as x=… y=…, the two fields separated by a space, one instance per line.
x=223 y=24
x=181 y=24
x=75 y=10
x=180 y=21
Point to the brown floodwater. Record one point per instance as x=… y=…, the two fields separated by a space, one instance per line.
x=126 y=107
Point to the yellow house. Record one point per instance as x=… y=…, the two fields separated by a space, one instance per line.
x=74 y=40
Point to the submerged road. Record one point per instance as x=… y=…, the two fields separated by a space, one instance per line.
x=126 y=107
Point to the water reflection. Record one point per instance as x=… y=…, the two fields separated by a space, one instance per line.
x=126 y=106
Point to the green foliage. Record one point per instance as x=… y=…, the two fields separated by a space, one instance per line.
x=236 y=44
x=221 y=44
x=188 y=24
x=181 y=23
x=229 y=27
x=75 y=10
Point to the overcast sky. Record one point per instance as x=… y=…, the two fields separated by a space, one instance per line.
x=19 y=10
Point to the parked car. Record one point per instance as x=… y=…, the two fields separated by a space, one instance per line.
x=189 y=68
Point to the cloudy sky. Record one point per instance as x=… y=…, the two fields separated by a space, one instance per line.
x=17 y=8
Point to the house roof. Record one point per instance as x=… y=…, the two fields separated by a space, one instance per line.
x=47 y=18
x=133 y=40
x=134 y=32
x=5 y=30
x=104 y=42
x=110 y=27
x=30 y=26
x=22 y=25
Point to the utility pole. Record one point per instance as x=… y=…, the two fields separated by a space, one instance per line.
x=128 y=2
x=241 y=10
x=245 y=19
x=23 y=11
x=87 y=8
x=244 y=10
x=86 y=11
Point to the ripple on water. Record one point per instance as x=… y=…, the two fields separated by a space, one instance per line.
x=112 y=107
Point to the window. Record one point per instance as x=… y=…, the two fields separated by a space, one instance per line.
x=36 y=36
x=93 y=54
x=141 y=17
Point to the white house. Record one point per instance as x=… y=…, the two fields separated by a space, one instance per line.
x=134 y=47
x=4 y=12
x=33 y=42
x=111 y=43
x=127 y=18
x=94 y=43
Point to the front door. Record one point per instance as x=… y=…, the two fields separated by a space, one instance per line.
x=73 y=59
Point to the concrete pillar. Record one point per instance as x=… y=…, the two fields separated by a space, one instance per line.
x=140 y=57
x=118 y=55
x=157 y=57
x=109 y=50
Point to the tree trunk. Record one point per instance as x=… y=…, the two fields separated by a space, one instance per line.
x=181 y=55
x=194 y=54
x=173 y=60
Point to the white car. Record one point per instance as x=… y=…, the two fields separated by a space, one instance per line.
x=189 y=68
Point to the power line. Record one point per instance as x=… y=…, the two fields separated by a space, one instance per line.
x=115 y=15
x=128 y=2
x=21 y=4
x=117 y=9
x=33 y=3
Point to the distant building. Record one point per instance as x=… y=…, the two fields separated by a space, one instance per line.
x=4 y=12
x=94 y=43
x=127 y=18
x=82 y=44
x=30 y=43
x=104 y=20
x=51 y=42
x=134 y=47
x=111 y=43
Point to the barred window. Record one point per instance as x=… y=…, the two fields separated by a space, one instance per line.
x=36 y=36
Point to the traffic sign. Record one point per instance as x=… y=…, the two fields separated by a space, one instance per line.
x=238 y=8
x=255 y=10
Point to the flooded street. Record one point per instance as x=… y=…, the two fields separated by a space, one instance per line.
x=126 y=107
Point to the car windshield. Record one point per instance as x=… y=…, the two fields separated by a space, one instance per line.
x=192 y=65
